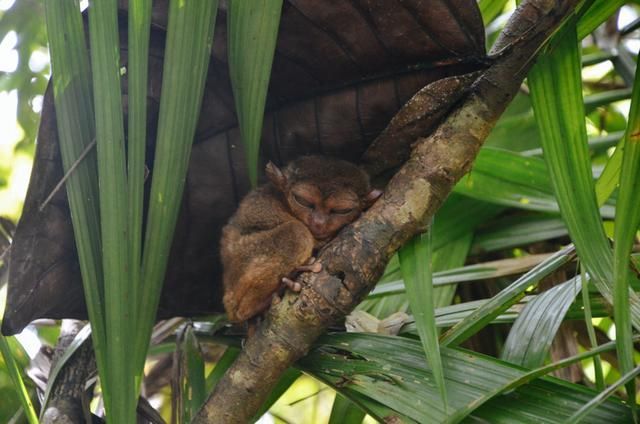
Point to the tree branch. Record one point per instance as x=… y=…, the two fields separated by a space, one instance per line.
x=65 y=403
x=355 y=260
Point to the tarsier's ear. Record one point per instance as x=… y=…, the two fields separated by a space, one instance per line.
x=276 y=176
x=372 y=196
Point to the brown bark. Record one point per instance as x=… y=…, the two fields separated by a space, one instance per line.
x=354 y=261
x=65 y=404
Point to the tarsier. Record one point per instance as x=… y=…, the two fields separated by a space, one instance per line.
x=280 y=225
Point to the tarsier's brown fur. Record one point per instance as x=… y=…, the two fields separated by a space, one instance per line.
x=278 y=226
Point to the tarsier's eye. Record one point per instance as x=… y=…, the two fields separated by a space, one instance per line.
x=345 y=211
x=303 y=202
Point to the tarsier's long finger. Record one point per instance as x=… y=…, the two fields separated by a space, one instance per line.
x=312 y=265
x=292 y=285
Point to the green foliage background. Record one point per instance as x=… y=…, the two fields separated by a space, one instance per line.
x=504 y=210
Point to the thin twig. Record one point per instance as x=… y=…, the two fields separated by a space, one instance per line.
x=66 y=176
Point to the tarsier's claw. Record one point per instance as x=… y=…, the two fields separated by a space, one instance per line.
x=292 y=285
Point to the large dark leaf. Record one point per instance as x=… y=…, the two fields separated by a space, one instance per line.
x=341 y=71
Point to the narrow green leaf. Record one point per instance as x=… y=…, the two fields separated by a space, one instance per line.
x=191 y=382
x=189 y=39
x=610 y=178
x=561 y=123
x=465 y=274
x=548 y=401
x=516 y=119
x=626 y=224
x=511 y=179
x=593 y=101
x=590 y=59
x=139 y=22
x=195 y=385
x=385 y=305
x=221 y=367
x=18 y=382
x=76 y=130
x=114 y=207
x=544 y=370
x=253 y=29
x=450 y=256
x=588 y=318
x=625 y=61
x=519 y=117
x=533 y=332
x=503 y=300
x=458 y=216
x=415 y=263
x=448 y=316
x=517 y=230
x=596 y=144
x=345 y=412
x=579 y=415
x=599 y=11
x=451 y=252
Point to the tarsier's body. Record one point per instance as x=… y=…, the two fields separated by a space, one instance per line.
x=278 y=226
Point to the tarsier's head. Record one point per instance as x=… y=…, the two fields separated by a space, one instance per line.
x=324 y=193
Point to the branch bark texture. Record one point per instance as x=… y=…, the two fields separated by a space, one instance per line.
x=355 y=260
x=65 y=403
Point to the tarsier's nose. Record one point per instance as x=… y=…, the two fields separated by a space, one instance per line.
x=318 y=224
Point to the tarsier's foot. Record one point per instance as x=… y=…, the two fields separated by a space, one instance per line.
x=312 y=265
x=292 y=285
